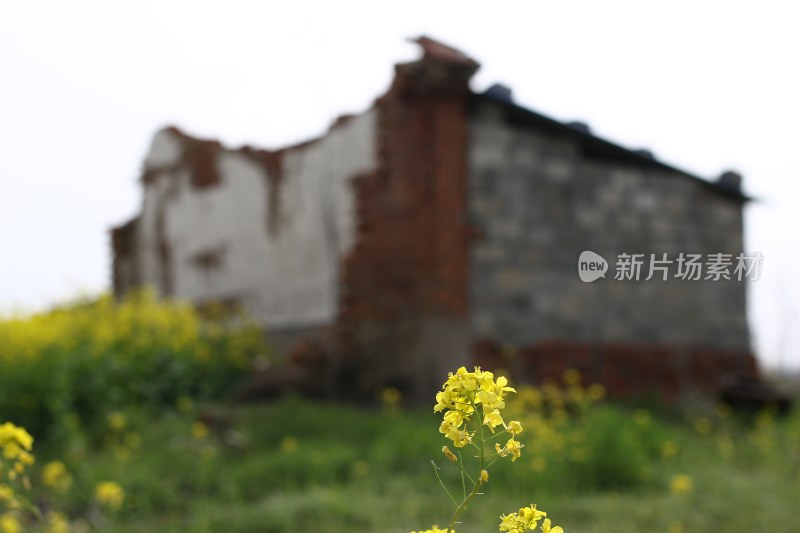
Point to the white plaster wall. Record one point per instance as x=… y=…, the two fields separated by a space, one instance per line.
x=286 y=278
x=149 y=263
x=165 y=150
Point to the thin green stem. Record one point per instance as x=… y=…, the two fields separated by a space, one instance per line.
x=477 y=482
x=497 y=457
x=436 y=471
x=30 y=507
x=463 y=472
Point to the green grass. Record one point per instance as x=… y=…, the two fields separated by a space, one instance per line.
x=112 y=389
x=296 y=466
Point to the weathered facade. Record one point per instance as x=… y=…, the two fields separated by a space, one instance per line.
x=441 y=226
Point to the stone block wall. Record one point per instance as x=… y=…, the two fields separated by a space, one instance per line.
x=539 y=196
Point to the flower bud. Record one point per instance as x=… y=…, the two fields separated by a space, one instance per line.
x=450 y=455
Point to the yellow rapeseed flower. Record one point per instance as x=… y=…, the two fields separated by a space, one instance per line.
x=462 y=394
x=390 y=397
x=514 y=427
x=596 y=392
x=702 y=426
x=57 y=523
x=493 y=419
x=55 y=475
x=668 y=449
x=199 y=430
x=547 y=529
x=9 y=524
x=14 y=438
x=434 y=529
x=572 y=376
x=460 y=437
x=16 y=443
x=675 y=527
x=680 y=484
x=526 y=519
x=117 y=421
x=513 y=448
x=110 y=494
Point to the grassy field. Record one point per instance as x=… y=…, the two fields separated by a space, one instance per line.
x=295 y=465
x=125 y=402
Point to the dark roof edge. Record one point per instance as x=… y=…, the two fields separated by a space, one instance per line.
x=610 y=149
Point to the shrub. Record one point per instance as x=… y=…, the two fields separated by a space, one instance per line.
x=73 y=364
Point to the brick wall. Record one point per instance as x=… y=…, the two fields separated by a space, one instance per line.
x=405 y=284
x=627 y=371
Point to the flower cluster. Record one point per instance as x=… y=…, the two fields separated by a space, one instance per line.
x=56 y=476
x=16 y=510
x=109 y=494
x=15 y=444
x=47 y=360
x=527 y=519
x=15 y=455
x=465 y=393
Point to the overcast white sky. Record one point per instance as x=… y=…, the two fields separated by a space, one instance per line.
x=707 y=86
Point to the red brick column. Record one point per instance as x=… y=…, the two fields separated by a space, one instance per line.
x=411 y=255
